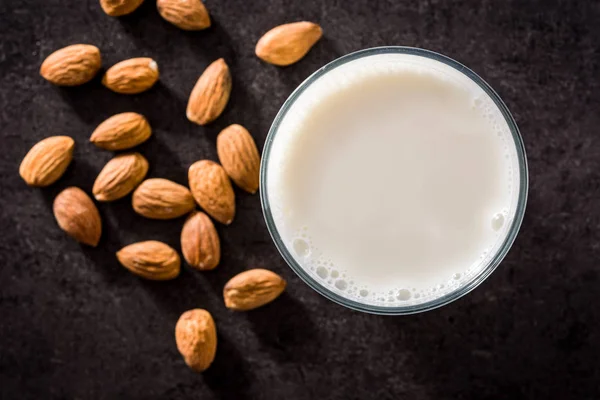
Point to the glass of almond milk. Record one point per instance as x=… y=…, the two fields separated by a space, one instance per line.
x=394 y=180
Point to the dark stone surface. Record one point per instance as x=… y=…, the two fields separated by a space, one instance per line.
x=76 y=325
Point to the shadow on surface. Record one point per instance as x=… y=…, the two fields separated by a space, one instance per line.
x=93 y=103
x=230 y=376
x=209 y=45
x=514 y=340
x=183 y=293
x=286 y=330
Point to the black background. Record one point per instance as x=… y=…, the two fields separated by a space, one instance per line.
x=74 y=324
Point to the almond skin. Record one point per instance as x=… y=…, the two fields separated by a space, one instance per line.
x=132 y=76
x=121 y=131
x=239 y=156
x=116 y=8
x=212 y=190
x=200 y=242
x=210 y=94
x=189 y=15
x=47 y=161
x=159 y=198
x=288 y=43
x=72 y=65
x=120 y=176
x=196 y=338
x=151 y=260
x=251 y=289
x=77 y=215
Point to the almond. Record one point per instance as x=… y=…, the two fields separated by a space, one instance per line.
x=252 y=289
x=212 y=189
x=120 y=176
x=210 y=94
x=77 y=215
x=131 y=76
x=190 y=15
x=121 y=131
x=288 y=43
x=47 y=161
x=72 y=65
x=239 y=156
x=151 y=260
x=196 y=338
x=162 y=199
x=116 y=8
x=200 y=242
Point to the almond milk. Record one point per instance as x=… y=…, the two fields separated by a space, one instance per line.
x=392 y=179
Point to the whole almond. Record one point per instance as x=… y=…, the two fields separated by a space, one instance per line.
x=212 y=190
x=131 y=76
x=121 y=131
x=120 y=176
x=117 y=8
x=252 y=289
x=47 y=161
x=196 y=338
x=200 y=242
x=159 y=198
x=151 y=260
x=77 y=215
x=72 y=65
x=239 y=156
x=190 y=15
x=288 y=43
x=210 y=94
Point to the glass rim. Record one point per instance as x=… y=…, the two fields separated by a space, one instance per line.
x=476 y=279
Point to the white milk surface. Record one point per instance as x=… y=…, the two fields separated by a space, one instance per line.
x=393 y=179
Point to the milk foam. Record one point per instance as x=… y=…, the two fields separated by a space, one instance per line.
x=393 y=179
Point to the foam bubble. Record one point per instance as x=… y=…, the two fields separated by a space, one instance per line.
x=498 y=222
x=341 y=284
x=322 y=272
x=301 y=247
x=404 y=295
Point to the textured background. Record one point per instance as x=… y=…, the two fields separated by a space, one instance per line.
x=76 y=325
